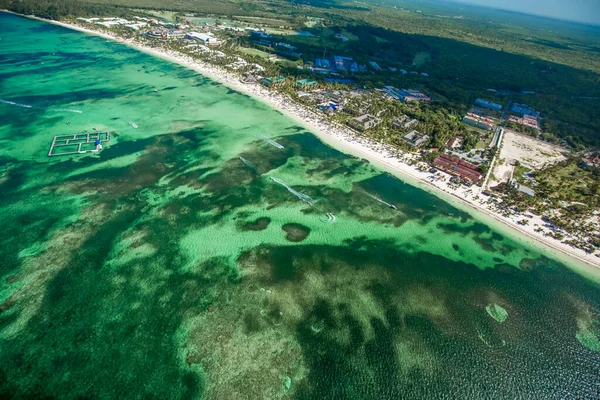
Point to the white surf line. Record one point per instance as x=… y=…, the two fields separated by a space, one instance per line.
x=39 y=108
x=249 y=163
x=381 y=201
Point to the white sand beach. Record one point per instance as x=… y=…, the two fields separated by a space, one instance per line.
x=389 y=159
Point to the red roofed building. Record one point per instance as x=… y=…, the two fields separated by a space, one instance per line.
x=455 y=166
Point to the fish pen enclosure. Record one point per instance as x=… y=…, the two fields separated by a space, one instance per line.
x=79 y=143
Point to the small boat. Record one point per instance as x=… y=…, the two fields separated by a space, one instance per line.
x=393 y=207
x=155 y=90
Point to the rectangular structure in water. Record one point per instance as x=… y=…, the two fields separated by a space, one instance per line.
x=78 y=143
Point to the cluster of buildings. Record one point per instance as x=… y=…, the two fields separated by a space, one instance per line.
x=478 y=121
x=413 y=138
x=405 y=95
x=590 y=162
x=337 y=63
x=166 y=33
x=464 y=170
x=526 y=120
x=479 y=116
x=264 y=39
x=111 y=22
x=527 y=116
x=524 y=109
x=365 y=122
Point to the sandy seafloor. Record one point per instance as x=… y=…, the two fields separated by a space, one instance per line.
x=165 y=266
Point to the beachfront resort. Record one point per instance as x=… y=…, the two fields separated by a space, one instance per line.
x=467 y=160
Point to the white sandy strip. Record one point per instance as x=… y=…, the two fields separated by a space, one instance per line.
x=382 y=156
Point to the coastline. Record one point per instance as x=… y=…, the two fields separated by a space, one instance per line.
x=344 y=140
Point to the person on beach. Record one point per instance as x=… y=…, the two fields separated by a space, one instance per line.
x=98 y=145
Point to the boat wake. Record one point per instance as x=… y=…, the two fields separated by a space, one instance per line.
x=61 y=110
x=381 y=201
x=269 y=141
x=329 y=217
x=304 y=197
x=39 y=108
x=249 y=163
x=15 y=104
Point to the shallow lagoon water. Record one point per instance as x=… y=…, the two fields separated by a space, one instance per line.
x=165 y=266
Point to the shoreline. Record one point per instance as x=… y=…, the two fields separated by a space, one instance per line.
x=385 y=158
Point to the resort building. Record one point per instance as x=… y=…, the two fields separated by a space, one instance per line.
x=375 y=66
x=455 y=143
x=524 y=109
x=414 y=139
x=322 y=63
x=250 y=78
x=137 y=26
x=591 y=162
x=479 y=121
x=404 y=122
x=365 y=122
x=457 y=167
x=525 y=190
x=277 y=80
x=305 y=83
x=164 y=33
x=488 y=105
x=527 y=120
x=285 y=46
x=405 y=95
x=329 y=107
x=343 y=63
x=205 y=38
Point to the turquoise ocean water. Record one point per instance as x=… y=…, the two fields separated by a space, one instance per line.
x=172 y=265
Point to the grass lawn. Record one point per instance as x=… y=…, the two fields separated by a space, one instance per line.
x=260 y=20
x=282 y=32
x=254 y=52
x=421 y=58
x=349 y=35
x=518 y=173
